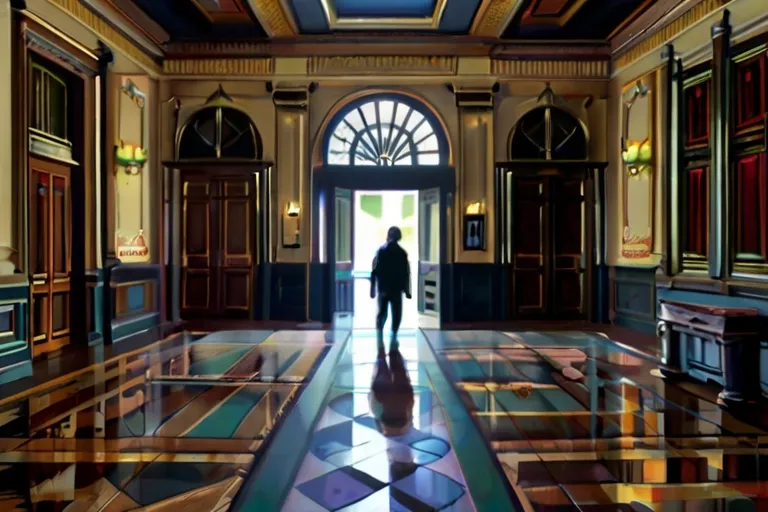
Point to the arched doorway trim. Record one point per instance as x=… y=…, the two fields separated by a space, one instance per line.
x=360 y=98
x=219 y=130
x=548 y=132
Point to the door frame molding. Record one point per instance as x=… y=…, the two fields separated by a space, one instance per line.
x=595 y=290
x=326 y=179
x=174 y=235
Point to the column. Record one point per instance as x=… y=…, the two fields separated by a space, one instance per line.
x=475 y=174
x=7 y=206
x=719 y=193
x=291 y=179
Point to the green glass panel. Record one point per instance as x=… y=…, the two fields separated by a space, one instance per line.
x=373 y=205
x=409 y=206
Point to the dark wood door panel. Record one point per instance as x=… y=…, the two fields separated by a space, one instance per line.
x=219 y=244
x=548 y=246
x=50 y=233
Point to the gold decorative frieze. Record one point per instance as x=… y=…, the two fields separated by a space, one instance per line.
x=273 y=18
x=592 y=69
x=692 y=16
x=381 y=64
x=233 y=67
x=206 y=48
x=493 y=17
x=85 y=15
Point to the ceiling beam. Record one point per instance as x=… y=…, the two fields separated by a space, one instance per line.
x=275 y=17
x=493 y=17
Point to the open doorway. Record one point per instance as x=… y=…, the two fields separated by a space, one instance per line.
x=362 y=220
x=375 y=212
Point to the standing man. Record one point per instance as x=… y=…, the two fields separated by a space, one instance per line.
x=391 y=275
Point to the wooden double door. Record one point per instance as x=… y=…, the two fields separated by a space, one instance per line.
x=220 y=232
x=549 y=250
x=50 y=237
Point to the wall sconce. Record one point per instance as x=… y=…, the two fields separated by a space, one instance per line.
x=131 y=157
x=474 y=226
x=637 y=157
x=291 y=232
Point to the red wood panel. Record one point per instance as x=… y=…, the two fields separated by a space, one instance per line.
x=697 y=225
x=751 y=211
x=750 y=90
x=697 y=99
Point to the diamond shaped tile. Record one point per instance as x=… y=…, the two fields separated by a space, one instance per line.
x=403 y=453
x=335 y=490
x=340 y=437
x=351 y=404
x=436 y=490
x=379 y=501
x=385 y=469
x=432 y=445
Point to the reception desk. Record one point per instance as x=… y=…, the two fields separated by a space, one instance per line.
x=711 y=343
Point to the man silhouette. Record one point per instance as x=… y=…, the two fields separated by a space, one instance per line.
x=391 y=277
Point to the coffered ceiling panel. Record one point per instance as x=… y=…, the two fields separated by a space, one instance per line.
x=226 y=20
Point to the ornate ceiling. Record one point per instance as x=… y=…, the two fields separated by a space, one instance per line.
x=254 y=20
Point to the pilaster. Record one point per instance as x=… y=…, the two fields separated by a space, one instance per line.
x=719 y=252
x=475 y=170
x=291 y=179
x=7 y=206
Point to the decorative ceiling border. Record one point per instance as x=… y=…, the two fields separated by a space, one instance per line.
x=336 y=22
x=381 y=64
x=274 y=18
x=566 y=69
x=219 y=67
x=102 y=28
x=690 y=17
x=493 y=16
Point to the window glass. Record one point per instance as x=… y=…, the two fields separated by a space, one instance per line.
x=384 y=133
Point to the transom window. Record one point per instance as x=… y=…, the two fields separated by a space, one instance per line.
x=385 y=132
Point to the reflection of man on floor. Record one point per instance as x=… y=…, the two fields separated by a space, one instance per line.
x=391 y=275
x=391 y=397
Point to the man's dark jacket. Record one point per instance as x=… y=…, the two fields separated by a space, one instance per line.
x=391 y=272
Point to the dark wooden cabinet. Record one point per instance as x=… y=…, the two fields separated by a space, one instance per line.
x=219 y=230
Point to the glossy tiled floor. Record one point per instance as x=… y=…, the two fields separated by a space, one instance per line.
x=178 y=424
x=453 y=420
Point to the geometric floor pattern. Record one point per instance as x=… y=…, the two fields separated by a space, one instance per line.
x=579 y=424
x=177 y=424
x=575 y=421
x=355 y=464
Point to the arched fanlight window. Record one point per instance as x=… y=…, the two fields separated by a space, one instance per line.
x=387 y=130
x=219 y=131
x=548 y=133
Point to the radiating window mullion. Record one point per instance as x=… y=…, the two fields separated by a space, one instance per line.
x=372 y=153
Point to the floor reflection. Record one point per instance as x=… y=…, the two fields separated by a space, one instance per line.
x=178 y=424
x=382 y=442
x=575 y=421
x=579 y=424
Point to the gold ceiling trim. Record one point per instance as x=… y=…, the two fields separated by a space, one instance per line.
x=219 y=67
x=87 y=17
x=380 y=64
x=570 y=69
x=274 y=18
x=335 y=22
x=493 y=16
x=669 y=32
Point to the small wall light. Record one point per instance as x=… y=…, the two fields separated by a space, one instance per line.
x=474 y=226
x=291 y=231
x=131 y=157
